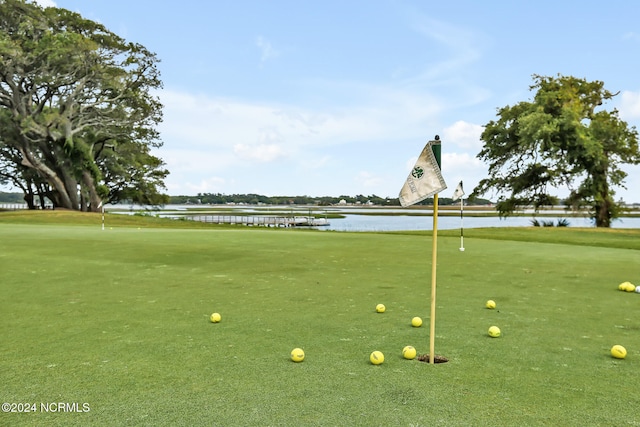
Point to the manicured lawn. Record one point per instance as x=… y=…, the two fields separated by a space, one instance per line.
x=119 y=319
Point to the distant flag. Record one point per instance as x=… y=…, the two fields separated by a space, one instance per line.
x=425 y=178
x=102 y=206
x=458 y=193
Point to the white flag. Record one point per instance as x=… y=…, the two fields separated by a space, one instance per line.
x=459 y=192
x=425 y=179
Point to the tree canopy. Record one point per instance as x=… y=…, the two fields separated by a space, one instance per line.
x=77 y=110
x=561 y=139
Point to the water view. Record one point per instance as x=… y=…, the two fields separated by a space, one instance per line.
x=397 y=222
x=369 y=218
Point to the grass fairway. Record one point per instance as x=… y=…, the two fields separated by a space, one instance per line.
x=119 y=319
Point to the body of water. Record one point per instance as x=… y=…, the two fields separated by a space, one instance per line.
x=399 y=223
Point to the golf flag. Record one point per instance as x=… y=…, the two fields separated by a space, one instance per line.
x=102 y=206
x=425 y=178
x=458 y=193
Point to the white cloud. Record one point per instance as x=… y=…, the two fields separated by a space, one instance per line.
x=235 y=133
x=630 y=105
x=266 y=49
x=464 y=135
x=195 y=160
x=259 y=152
x=198 y=121
x=310 y=162
x=464 y=167
x=45 y=3
x=209 y=185
x=207 y=137
x=369 y=180
x=460 y=162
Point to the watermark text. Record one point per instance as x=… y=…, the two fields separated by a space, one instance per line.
x=46 y=407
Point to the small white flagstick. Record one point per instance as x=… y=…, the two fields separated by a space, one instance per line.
x=458 y=194
x=102 y=206
x=461 y=227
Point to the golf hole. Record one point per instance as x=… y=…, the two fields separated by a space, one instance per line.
x=436 y=358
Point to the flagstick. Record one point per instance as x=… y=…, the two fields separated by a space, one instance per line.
x=461 y=226
x=434 y=252
x=103 y=217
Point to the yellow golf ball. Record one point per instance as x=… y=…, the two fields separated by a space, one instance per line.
x=619 y=352
x=494 y=332
x=215 y=318
x=409 y=352
x=491 y=304
x=297 y=355
x=376 y=358
x=416 y=322
x=380 y=308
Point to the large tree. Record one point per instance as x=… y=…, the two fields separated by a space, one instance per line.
x=78 y=109
x=562 y=139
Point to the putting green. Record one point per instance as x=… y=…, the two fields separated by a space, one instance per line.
x=120 y=320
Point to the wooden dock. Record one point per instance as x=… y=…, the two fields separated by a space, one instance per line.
x=260 y=221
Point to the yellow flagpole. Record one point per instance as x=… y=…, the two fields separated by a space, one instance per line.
x=414 y=191
x=434 y=256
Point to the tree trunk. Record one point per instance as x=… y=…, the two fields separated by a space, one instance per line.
x=28 y=197
x=89 y=186
x=51 y=177
x=604 y=203
x=71 y=188
x=603 y=213
x=42 y=190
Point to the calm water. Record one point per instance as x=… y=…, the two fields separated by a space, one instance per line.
x=354 y=222
x=397 y=223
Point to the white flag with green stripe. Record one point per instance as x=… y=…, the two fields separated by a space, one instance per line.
x=425 y=178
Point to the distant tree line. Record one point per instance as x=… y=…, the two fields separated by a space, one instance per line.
x=256 y=199
x=11 y=197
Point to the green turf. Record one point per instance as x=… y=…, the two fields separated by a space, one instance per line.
x=118 y=319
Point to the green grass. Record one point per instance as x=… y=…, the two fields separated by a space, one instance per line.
x=119 y=319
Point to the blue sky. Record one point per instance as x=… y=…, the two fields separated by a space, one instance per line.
x=339 y=97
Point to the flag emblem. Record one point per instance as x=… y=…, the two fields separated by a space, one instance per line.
x=417 y=172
